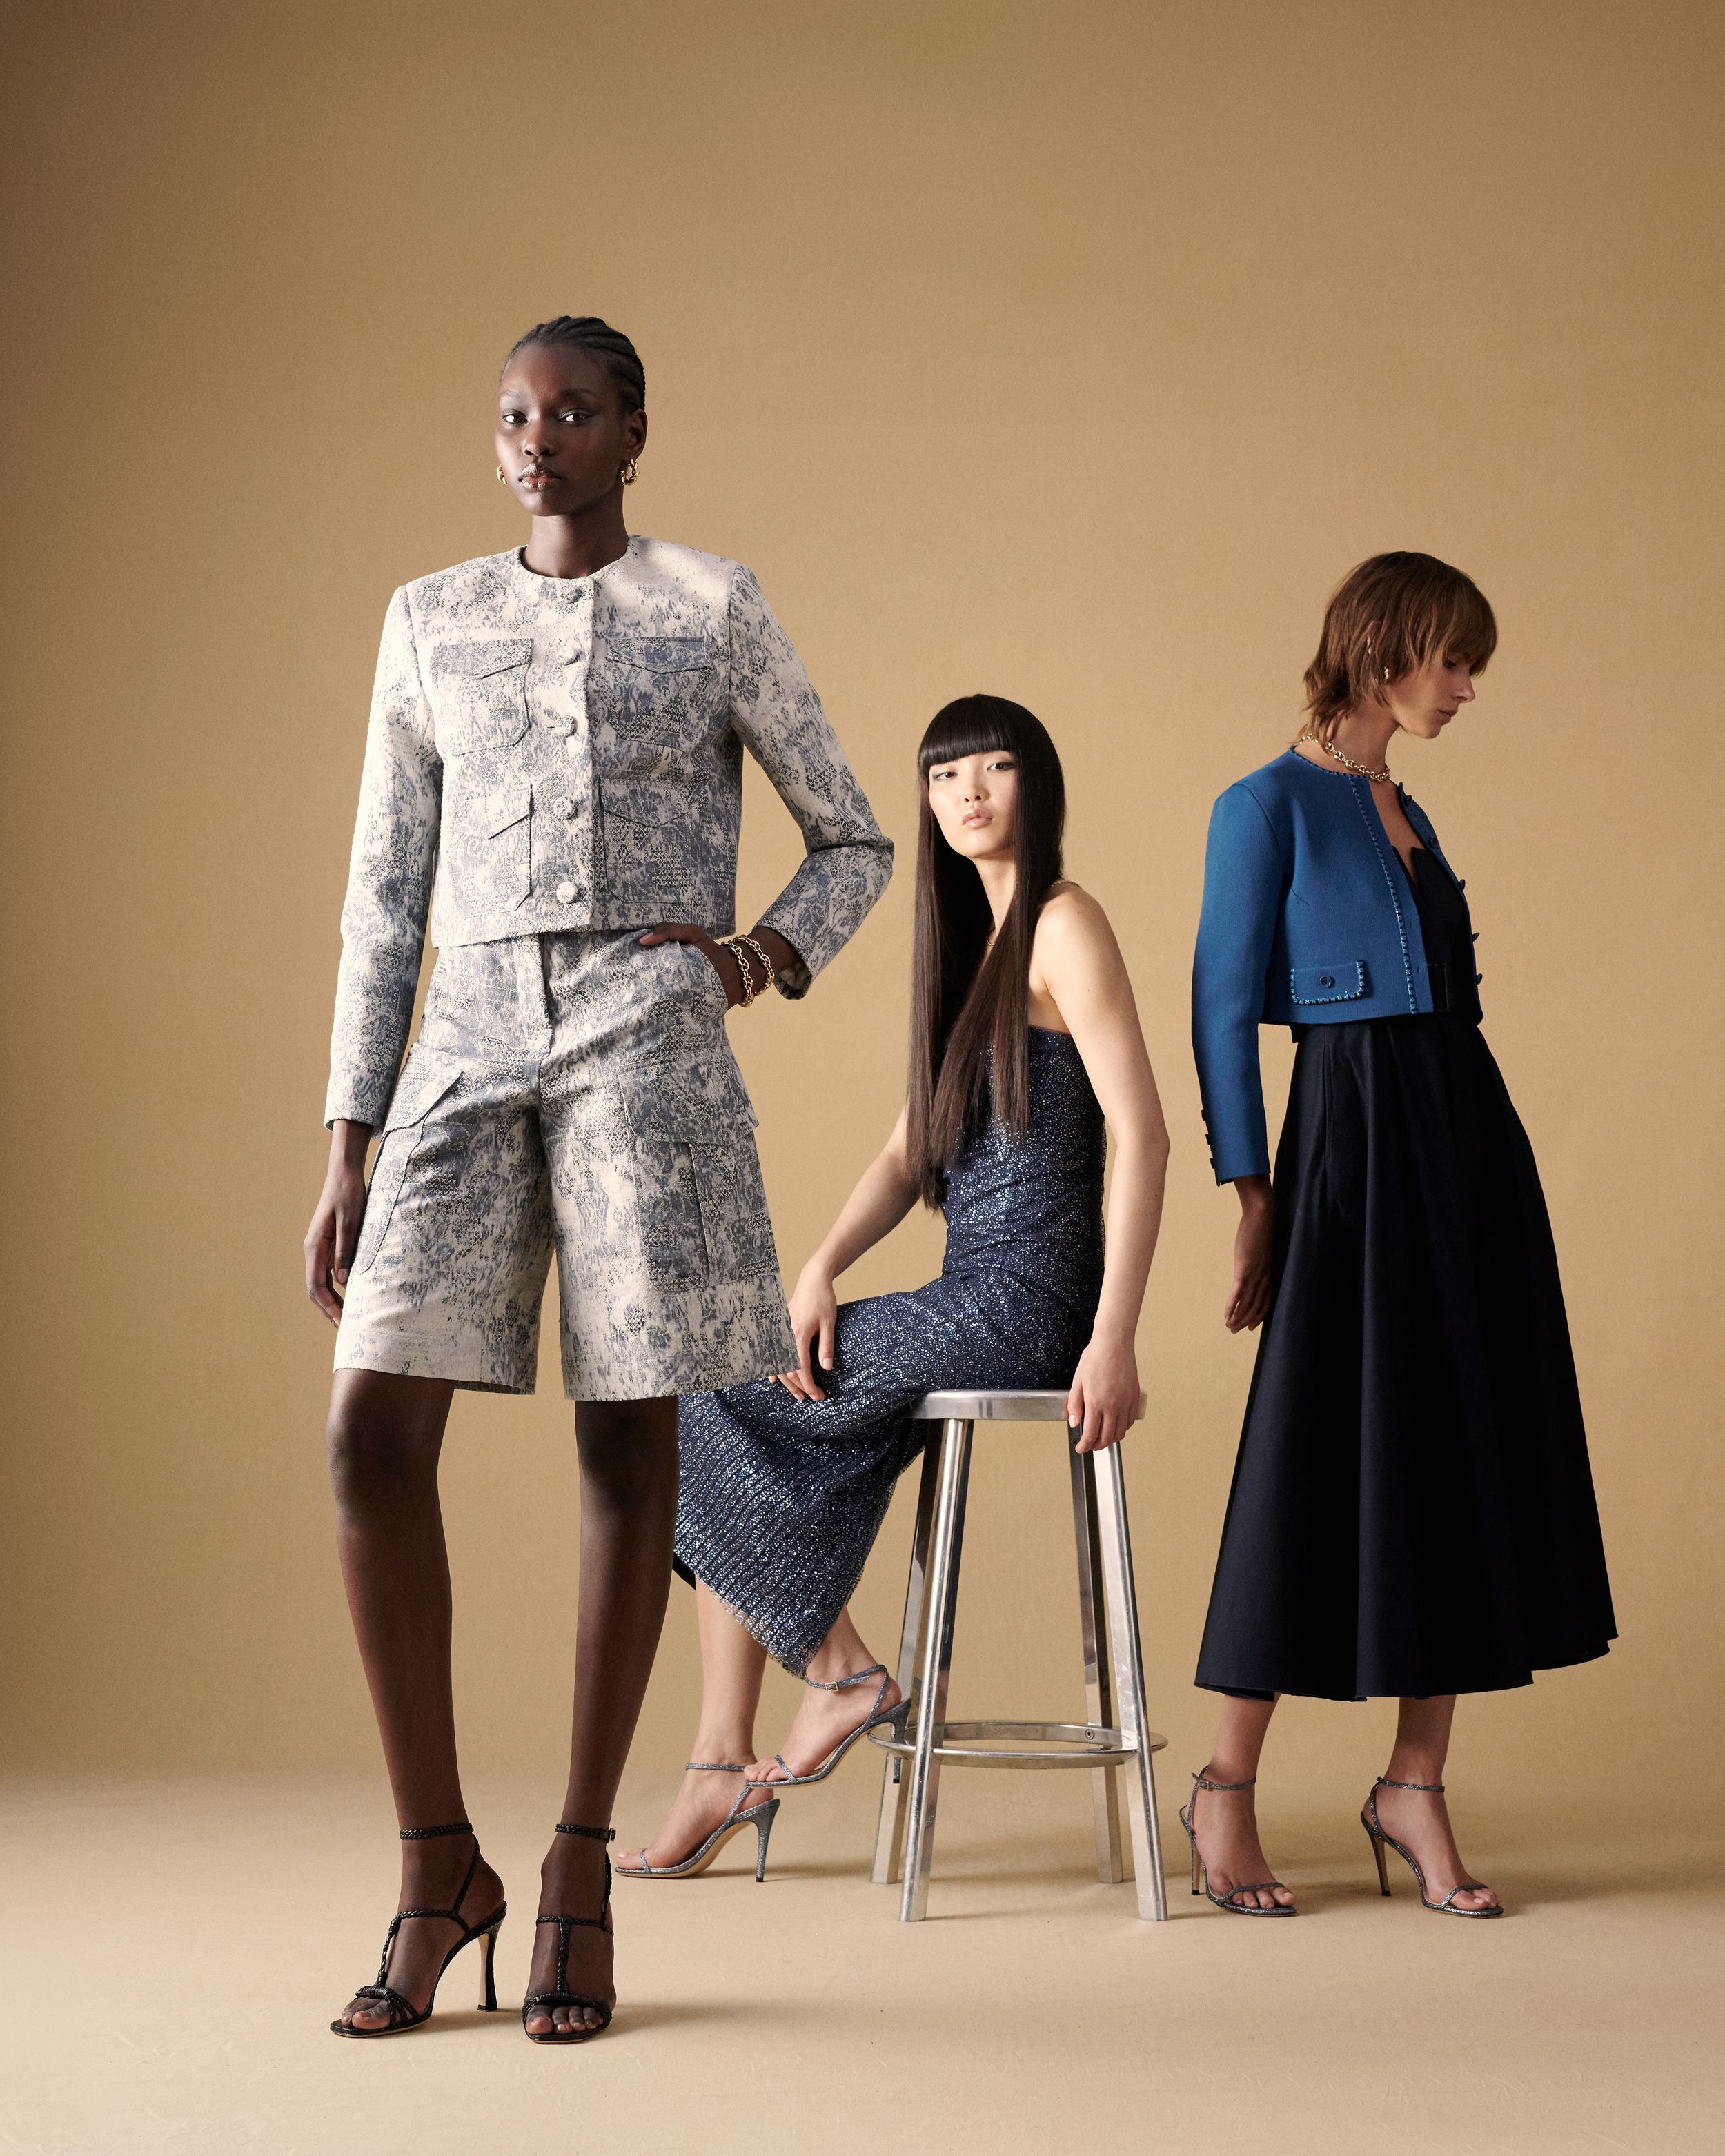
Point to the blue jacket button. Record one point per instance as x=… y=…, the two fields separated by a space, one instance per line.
x=1326 y=980
x=1477 y=978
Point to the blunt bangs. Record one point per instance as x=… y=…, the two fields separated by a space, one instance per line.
x=969 y=725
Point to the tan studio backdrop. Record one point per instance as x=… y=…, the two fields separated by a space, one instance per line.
x=1068 y=352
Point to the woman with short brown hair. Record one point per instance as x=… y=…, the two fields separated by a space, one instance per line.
x=1412 y=1512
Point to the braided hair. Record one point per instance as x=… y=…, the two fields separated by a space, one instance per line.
x=610 y=348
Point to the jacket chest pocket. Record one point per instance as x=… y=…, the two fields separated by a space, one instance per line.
x=662 y=687
x=700 y=1200
x=480 y=694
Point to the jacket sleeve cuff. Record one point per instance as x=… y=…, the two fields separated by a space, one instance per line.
x=355 y=1099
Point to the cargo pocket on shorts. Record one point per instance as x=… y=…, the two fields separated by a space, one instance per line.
x=699 y=1199
x=417 y=1093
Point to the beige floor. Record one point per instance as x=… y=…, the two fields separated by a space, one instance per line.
x=177 y=1947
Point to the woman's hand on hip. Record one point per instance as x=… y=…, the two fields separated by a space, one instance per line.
x=1248 y=1303
x=814 y=1319
x=1102 y=1402
x=722 y=957
x=333 y=1236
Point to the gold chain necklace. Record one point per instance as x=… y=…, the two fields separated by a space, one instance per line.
x=1378 y=777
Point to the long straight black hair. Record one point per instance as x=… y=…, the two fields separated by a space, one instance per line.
x=970 y=1002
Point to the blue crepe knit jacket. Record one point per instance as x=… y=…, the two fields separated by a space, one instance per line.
x=1307 y=919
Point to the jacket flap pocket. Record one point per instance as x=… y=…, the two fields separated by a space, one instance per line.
x=638 y=799
x=1328 y=984
x=703 y=1104
x=472 y=661
x=418 y=1092
x=662 y=654
x=505 y=806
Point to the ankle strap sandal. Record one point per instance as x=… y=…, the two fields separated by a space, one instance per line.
x=403 y=2015
x=560 y=1994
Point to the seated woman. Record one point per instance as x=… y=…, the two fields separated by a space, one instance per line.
x=1025 y=1036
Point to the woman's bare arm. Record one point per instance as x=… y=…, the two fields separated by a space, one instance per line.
x=883 y=1195
x=1076 y=964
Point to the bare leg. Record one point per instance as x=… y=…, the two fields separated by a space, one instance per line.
x=825 y=1719
x=1420 y=1819
x=732 y=1661
x=628 y=1500
x=385 y=1436
x=1226 y=1821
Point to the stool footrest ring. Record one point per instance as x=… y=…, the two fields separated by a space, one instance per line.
x=962 y=1745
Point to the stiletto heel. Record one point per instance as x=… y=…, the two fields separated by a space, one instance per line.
x=763 y=1827
x=1200 y=1870
x=488 y=1997
x=759 y=1816
x=403 y=2015
x=877 y=1717
x=1381 y=1840
x=560 y=1994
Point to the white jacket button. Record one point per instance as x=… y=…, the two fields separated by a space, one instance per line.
x=563 y=805
x=568 y=893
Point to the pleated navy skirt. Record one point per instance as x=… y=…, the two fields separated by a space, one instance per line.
x=1412 y=1510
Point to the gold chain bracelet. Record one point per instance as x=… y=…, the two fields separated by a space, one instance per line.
x=735 y=943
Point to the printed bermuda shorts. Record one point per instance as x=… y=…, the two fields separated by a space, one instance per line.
x=574 y=1092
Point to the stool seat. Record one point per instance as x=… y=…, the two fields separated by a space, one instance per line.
x=1113 y=1663
x=995 y=1407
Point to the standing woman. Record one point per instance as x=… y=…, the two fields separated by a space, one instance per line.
x=1024 y=1039
x=1412 y=1512
x=553 y=765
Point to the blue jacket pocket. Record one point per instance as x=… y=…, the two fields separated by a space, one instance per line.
x=1327 y=984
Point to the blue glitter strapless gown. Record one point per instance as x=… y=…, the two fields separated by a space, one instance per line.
x=781 y=1499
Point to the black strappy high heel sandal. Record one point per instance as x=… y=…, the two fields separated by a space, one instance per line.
x=403 y=2015
x=760 y=1816
x=891 y=1717
x=1381 y=1838
x=560 y=1994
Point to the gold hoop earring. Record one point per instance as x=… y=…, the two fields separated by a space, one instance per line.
x=499 y=475
x=629 y=473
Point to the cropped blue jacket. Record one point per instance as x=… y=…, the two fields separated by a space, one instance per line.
x=1308 y=919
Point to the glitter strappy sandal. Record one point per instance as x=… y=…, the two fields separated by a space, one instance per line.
x=759 y=1816
x=560 y=1994
x=1200 y=1870
x=403 y=2015
x=892 y=1716
x=1380 y=1840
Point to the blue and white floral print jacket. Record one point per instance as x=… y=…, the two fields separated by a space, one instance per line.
x=548 y=753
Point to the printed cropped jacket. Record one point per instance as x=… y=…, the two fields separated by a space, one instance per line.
x=1307 y=919
x=548 y=753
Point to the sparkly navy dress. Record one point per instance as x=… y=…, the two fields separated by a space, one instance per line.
x=781 y=1499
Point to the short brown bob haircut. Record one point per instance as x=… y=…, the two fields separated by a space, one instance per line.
x=1396 y=612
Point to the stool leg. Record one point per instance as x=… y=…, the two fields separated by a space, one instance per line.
x=895 y=1782
x=936 y=1668
x=1129 y=1681
x=1098 y=1677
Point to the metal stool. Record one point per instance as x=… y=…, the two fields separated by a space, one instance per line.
x=1107 y=1616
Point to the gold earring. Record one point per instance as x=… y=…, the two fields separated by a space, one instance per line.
x=500 y=475
x=629 y=473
